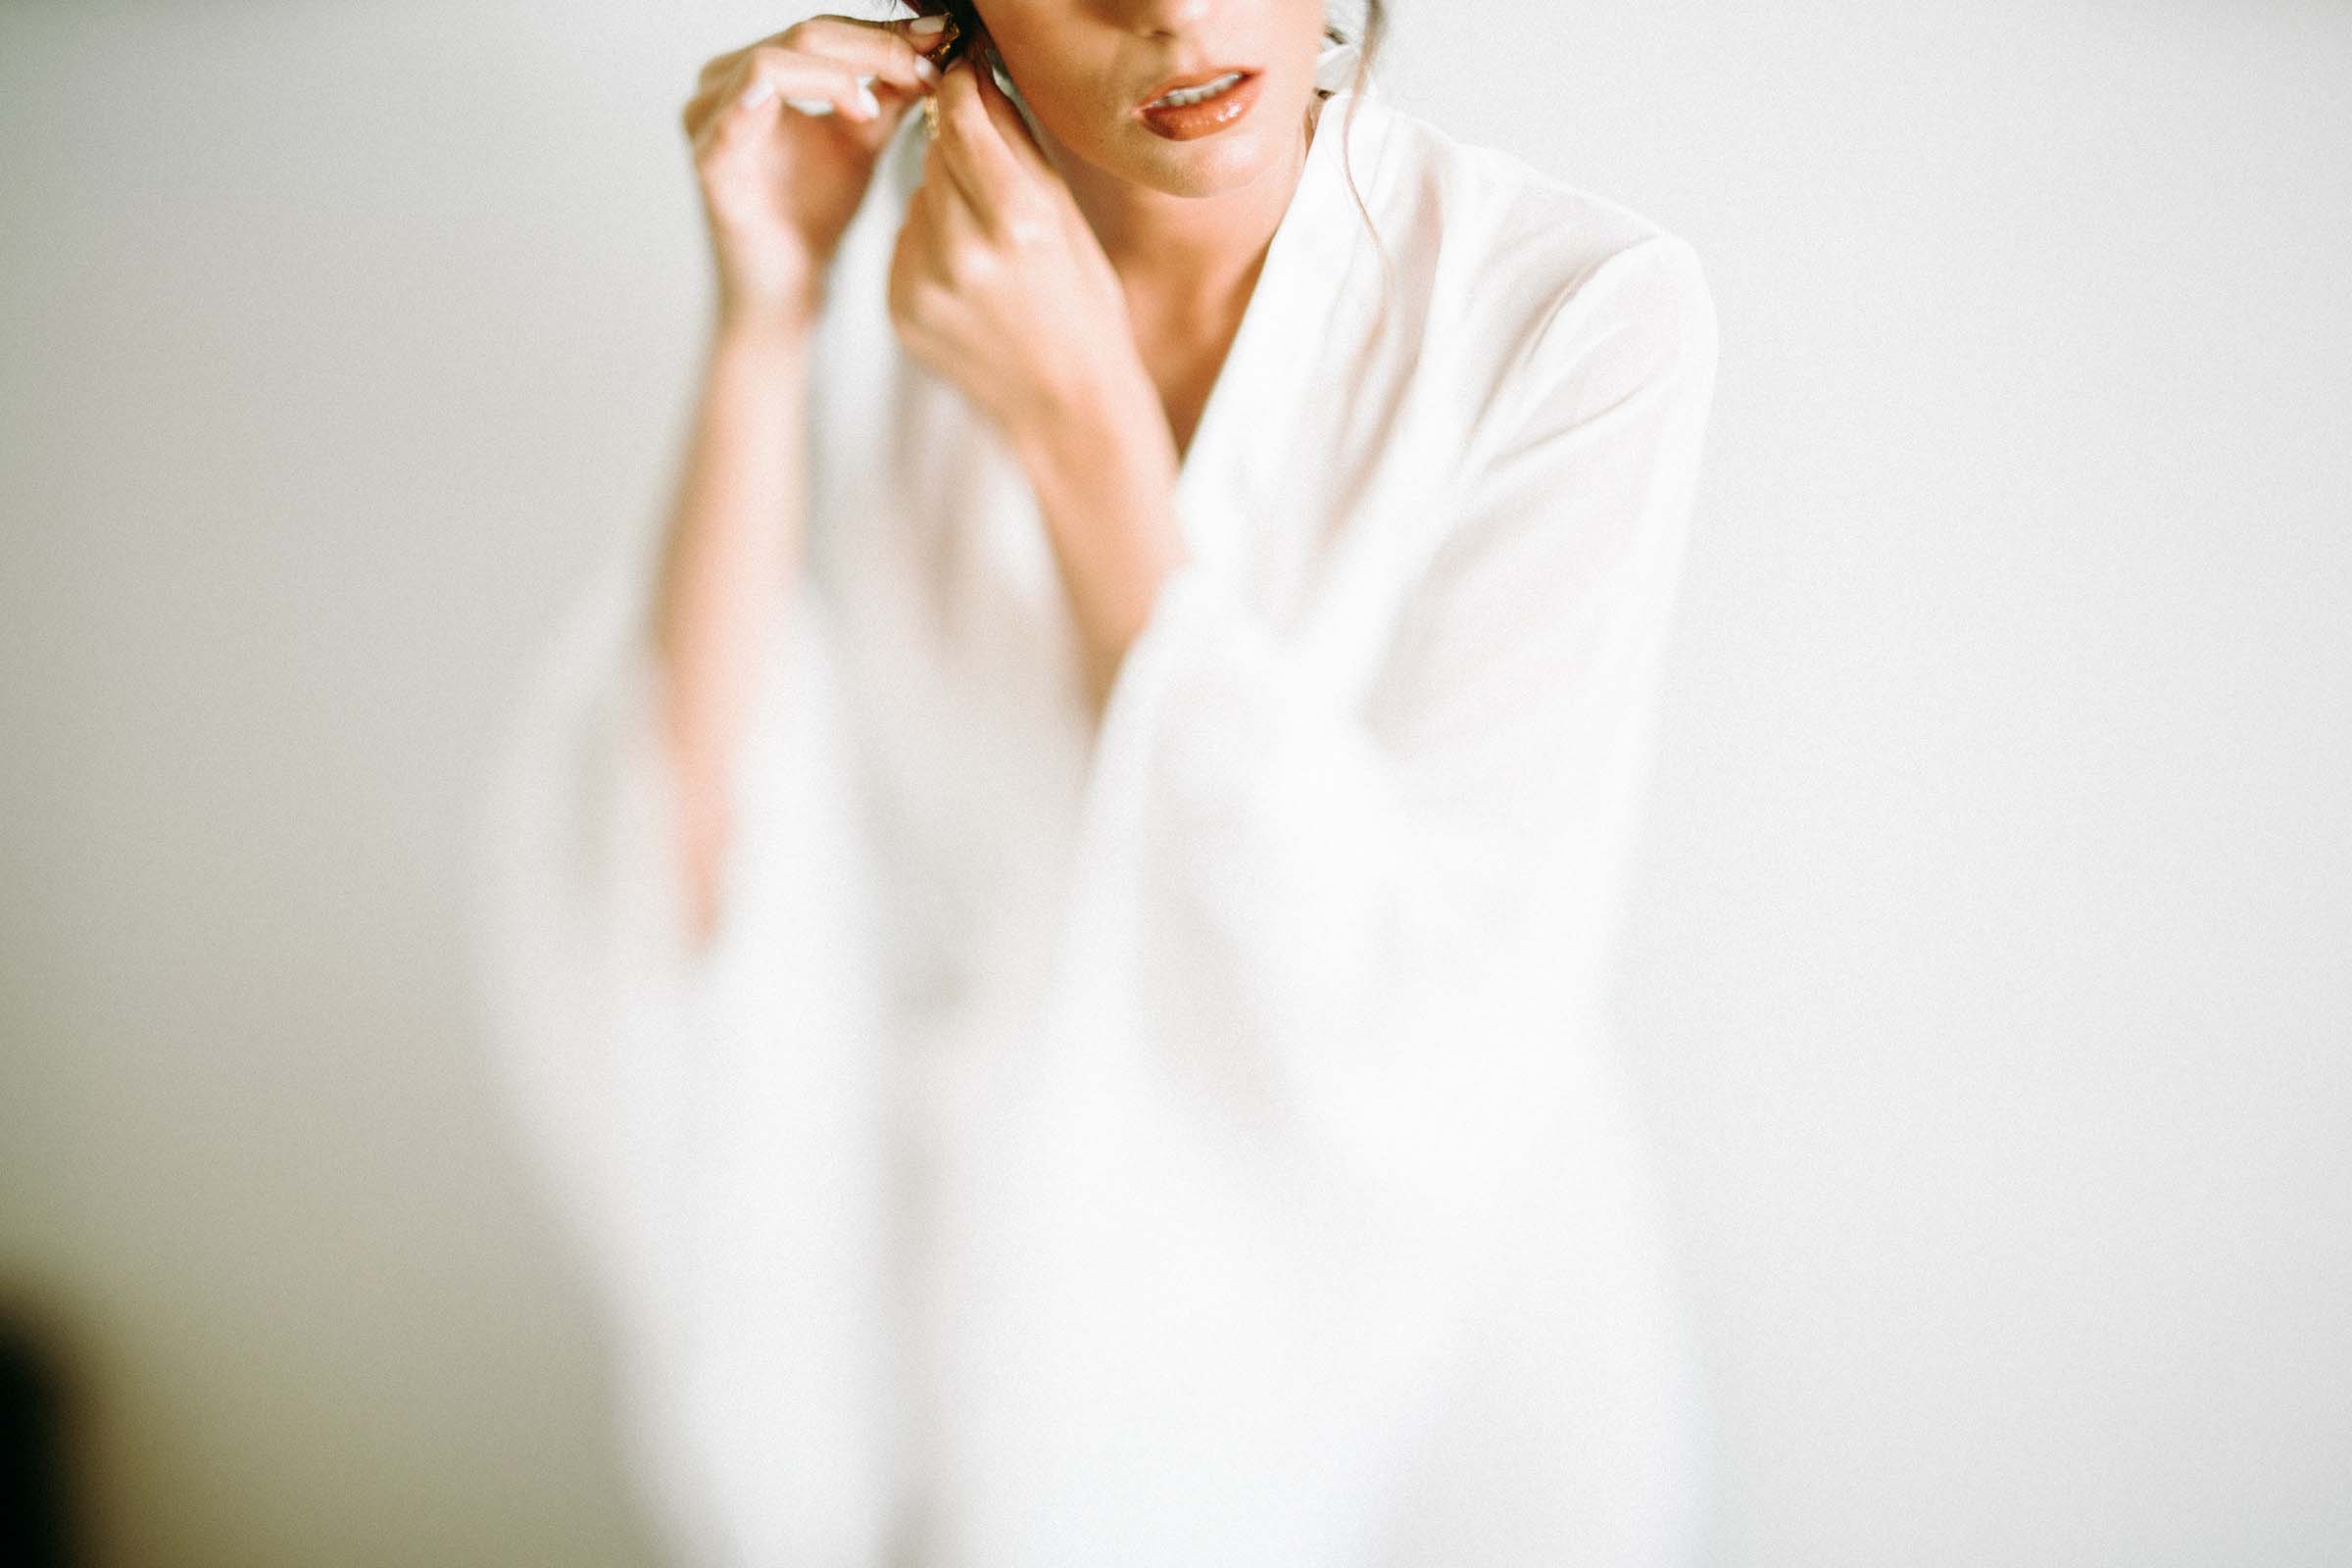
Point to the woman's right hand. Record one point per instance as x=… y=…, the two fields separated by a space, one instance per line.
x=779 y=185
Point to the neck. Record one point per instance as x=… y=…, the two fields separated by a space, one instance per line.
x=1185 y=252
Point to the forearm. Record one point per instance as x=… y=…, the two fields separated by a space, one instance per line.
x=1104 y=475
x=733 y=539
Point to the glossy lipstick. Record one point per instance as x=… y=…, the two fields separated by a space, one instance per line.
x=1185 y=122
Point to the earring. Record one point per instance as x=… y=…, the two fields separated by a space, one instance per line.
x=1335 y=67
x=950 y=41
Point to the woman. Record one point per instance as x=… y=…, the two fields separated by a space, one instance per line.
x=1052 y=929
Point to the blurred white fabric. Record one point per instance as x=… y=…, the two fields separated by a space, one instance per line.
x=1196 y=1140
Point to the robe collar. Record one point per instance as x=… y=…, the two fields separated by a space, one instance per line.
x=1320 y=277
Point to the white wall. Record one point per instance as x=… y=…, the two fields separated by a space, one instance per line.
x=1988 y=969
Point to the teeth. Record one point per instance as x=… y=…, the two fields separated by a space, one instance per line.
x=1193 y=95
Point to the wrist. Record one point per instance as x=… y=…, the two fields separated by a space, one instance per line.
x=1090 y=421
x=785 y=310
x=763 y=327
x=1104 y=475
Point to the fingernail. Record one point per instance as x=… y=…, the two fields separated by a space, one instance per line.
x=757 y=93
x=867 y=103
x=925 y=26
x=925 y=69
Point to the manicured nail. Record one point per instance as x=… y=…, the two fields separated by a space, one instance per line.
x=869 y=106
x=925 y=26
x=758 y=93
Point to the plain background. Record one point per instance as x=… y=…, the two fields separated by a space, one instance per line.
x=1987 y=976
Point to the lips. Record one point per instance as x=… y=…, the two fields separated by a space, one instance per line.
x=1210 y=117
x=1197 y=78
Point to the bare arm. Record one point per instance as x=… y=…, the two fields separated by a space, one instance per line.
x=733 y=542
x=779 y=188
x=1104 y=475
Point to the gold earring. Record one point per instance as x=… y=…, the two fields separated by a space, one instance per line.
x=943 y=57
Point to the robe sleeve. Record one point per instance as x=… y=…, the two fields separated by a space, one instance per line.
x=1331 y=972
x=1328 y=905
x=702 y=1121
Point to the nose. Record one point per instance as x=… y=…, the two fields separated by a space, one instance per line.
x=1163 y=19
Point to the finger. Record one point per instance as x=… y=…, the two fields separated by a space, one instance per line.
x=947 y=225
x=939 y=230
x=949 y=188
x=731 y=107
x=879 y=52
x=1005 y=116
x=812 y=85
x=886 y=48
x=969 y=144
x=890 y=50
x=714 y=122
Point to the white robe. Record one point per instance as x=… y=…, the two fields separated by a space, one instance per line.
x=1196 y=1140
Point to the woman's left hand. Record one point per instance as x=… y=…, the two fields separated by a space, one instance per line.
x=998 y=282
x=999 y=285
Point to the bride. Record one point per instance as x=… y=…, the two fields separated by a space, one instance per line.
x=1050 y=925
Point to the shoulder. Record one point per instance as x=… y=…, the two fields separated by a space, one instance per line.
x=1522 y=274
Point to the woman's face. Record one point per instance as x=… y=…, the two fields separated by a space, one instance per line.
x=1085 y=67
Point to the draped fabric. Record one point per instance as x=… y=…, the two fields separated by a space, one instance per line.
x=1193 y=1136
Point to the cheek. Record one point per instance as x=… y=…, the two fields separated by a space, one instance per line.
x=1056 y=58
